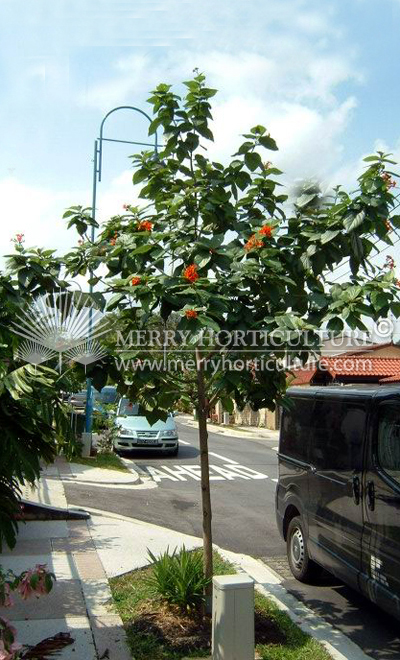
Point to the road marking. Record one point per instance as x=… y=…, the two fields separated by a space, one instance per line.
x=275 y=480
x=179 y=473
x=223 y=458
x=275 y=448
x=183 y=442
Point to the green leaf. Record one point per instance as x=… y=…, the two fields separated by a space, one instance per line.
x=143 y=248
x=227 y=404
x=352 y=221
x=268 y=142
x=252 y=160
x=336 y=324
x=202 y=259
x=209 y=323
x=329 y=235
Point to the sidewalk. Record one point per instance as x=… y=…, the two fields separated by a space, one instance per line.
x=85 y=553
x=250 y=432
x=80 y=600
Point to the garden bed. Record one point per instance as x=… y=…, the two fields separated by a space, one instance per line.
x=109 y=461
x=159 y=631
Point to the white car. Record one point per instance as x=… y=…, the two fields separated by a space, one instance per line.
x=135 y=432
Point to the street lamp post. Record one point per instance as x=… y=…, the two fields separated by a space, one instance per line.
x=97 y=172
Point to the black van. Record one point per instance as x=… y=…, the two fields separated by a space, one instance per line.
x=338 y=494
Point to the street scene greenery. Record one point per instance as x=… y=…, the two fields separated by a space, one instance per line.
x=161 y=628
x=210 y=248
x=223 y=248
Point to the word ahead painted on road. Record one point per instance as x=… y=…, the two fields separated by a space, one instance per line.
x=217 y=472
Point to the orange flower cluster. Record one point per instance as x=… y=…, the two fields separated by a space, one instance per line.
x=191 y=314
x=145 y=225
x=390 y=183
x=397 y=282
x=388 y=225
x=253 y=242
x=266 y=231
x=135 y=281
x=190 y=273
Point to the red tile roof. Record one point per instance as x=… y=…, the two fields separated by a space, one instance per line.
x=301 y=376
x=368 y=366
x=382 y=369
x=391 y=379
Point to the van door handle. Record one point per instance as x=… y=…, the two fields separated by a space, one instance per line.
x=370 y=495
x=356 y=489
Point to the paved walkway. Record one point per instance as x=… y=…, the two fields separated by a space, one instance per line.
x=257 y=432
x=84 y=553
x=80 y=602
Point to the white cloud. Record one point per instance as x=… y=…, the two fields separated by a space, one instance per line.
x=283 y=70
x=36 y=213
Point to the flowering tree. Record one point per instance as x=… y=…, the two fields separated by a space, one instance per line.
x=218 y=246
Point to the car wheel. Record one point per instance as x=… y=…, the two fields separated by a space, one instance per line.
x=302 y=567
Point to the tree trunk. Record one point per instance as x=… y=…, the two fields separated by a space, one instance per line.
x=205 y=478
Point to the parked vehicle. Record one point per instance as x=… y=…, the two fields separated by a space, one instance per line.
x=136 y=432
x=78 y=399
x=338 y=493
x=108 y=395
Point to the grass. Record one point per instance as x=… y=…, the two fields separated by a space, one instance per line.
x=134 y=601
x=106 y=461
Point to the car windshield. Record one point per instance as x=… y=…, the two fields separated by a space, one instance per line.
x=128 y=408
x=108 y=395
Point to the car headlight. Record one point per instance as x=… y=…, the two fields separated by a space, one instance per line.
x=127 y=432
x=168 y=434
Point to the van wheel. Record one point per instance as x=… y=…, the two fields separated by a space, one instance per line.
x=302 y=567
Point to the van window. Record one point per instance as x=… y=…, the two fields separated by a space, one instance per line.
x=339 y=433
x=297 y=429
x=389 y=440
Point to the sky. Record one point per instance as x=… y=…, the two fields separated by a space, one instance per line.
x=321 y=75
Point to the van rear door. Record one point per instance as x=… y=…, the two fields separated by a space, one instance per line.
x=381 y=546
x=335 y=510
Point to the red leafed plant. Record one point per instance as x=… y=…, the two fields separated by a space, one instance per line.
x=36 y=581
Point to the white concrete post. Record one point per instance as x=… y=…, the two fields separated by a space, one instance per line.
x=86 y=440
x=233 y=617
x=226 y=418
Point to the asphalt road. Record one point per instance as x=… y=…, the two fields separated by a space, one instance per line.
x=243 y=482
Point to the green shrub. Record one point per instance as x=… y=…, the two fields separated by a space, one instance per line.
x=179 y=578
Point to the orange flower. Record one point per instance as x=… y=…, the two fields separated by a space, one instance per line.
x=397 y=282
x=145 y=225
x=388 y=225
x=266 y=231
x=191 y=314
x=190 y=273
x=252 y=243
x=135 y=281
x=113 y=241
x=390 y=183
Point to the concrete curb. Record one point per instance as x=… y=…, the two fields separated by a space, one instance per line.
x=47 y=512
x=80 y=479
x=240 y=432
